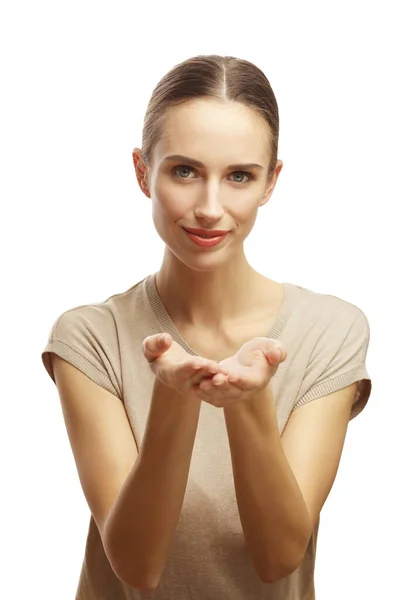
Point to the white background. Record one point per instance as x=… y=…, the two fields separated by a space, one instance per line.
x=76 y=78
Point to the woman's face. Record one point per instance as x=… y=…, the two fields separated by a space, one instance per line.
x=209 y=172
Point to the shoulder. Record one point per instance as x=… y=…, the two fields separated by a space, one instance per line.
x=89 y=337
x=328 y=309
x=333 y=348
x=100 y=316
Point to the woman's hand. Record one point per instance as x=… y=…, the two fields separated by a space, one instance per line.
x=248 y=371
x=175 y=367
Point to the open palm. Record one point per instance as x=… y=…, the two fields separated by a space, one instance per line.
x=248 y=371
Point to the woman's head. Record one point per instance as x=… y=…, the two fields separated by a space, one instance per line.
x=222 y=113
x=222 y=78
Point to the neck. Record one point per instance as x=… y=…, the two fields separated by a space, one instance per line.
x=207 y=298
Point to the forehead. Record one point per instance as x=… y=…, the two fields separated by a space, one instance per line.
x=219 y=129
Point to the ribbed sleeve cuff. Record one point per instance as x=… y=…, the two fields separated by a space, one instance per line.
x=359 y=373
x=77 y=360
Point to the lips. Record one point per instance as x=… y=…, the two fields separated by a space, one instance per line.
x=207 y=233
x=206 y=241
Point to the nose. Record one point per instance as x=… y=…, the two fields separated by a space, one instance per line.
x=208 y=206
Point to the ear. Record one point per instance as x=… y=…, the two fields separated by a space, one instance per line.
x=141 y=171
x=271 y=183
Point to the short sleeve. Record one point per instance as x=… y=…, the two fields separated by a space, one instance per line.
x=338 y=359
x=86 y=338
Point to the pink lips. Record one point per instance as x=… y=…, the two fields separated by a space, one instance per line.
x=209 y=241
x=207 y=232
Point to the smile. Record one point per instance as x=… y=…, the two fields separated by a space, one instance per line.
x=205 y=241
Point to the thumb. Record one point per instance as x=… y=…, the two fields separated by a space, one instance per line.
x=154 y=346
x=278 y=353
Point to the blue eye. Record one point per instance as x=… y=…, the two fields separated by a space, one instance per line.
x=246 y=174
x=180 y=170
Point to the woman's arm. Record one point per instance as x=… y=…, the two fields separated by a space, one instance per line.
x=140 y=527
x=134 y=498
x=282 y=483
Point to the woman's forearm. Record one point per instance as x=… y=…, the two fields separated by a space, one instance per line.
x=274 y=517
x=141 y=524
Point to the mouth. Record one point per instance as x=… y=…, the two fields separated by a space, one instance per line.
x=206 y=239
x=206 y=234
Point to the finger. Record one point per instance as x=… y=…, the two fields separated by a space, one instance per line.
x=182 y=371
x=218 y=381
x=274 y=355
x=208 y=370
x=154 y=346
x=278 y=354
x=272 y=349
x=192 y=371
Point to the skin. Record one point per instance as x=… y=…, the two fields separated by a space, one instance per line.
x=281 y=481
x=208 y=289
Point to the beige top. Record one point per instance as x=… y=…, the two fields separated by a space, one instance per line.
x=326 y=339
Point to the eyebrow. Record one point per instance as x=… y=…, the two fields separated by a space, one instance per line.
x=197 y=163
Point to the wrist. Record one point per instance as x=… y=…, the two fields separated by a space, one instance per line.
x=260 y=405
x=171 y=396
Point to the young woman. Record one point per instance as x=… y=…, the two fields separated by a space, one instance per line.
x=207 y=405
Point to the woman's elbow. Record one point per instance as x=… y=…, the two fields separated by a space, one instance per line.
x=278 y=567
x=135 y=573
x=277 y=572
x=141 y=582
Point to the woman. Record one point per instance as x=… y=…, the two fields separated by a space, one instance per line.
x=207 y=406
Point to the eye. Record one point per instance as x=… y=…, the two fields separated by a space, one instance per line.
x=181 y=170
x=245 y=173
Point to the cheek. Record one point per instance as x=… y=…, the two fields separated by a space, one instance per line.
x=168 y=208
x=171 y=201
x=243 y=209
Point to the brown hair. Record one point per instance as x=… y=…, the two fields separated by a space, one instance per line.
x=223 y=78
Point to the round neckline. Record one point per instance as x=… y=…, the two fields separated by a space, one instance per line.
x=168 y=326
